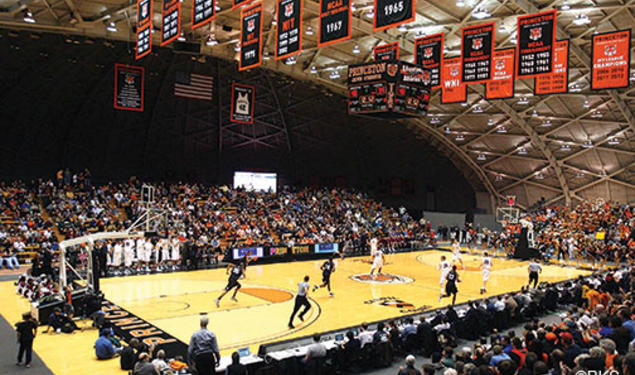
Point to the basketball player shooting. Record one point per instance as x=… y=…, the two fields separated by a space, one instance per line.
x=377 y=257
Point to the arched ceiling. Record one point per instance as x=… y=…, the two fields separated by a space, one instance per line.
x=528 y=146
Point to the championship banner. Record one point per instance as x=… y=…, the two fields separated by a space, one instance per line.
x=144 y=41
x=251 y=37
x=203 y=11
x=610 y=60
x=335 y=22
x=501 y=85
x=429 y=53
x=386 y=52
x=243 y=97
x=452 y=89
x=128 y=94
x=558 y=81
x=239 y=3
x=477 y=47
x=144 y=12
x=171 y=24
x=536 y=39
x=289 y=29
x=391 y=13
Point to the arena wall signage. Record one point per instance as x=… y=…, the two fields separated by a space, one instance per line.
x=144 y=28
x=501 y=85
x=386 y=52
x=335 y=22
x=611 y=60
x=243 y=97
x=203 y=11
x=536 y=39
x=452 y=89
x=129 y=87
x=251 y=37
x=277 y=250
x=391 y=13
x=242 y=252
x=301 y=249
x=429 y=54
x=558 y=81
x=477 y=47
x=289 y=28
x=325 y=248
x=171 y=24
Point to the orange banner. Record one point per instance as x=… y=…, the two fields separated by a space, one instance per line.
x=501 y=86
x=611 y=60
x=386 y=52
x=452 y=89
x=558 y=81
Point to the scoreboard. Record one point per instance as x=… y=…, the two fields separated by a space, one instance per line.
x=388 y=89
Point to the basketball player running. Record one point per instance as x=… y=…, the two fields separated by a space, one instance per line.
x=450 y=286
x=486 y=265
x=534 y=269
x=456 y=254
x=378 y=261
x=327 y=268
x=233 y=283
x=301 y=300
x=444 y=267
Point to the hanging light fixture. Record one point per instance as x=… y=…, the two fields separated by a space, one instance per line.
x=540 y=176
x=596 y=114
x=334 y=75
x=402 y=28
x=460 y=137
x=356 y=49
x=290 y=60
x=522 y=151
x=28 y=17
x=181 y=38
x=313 y=70
x=502 y=28
x=614 y=141
x=523 y=100
x=490 y=122
x=565 y=147
x=534 y=113
x=501 y=129
x=447 y=130
x=499 y=177
x=370 y=14
x=111 y=27
x=581 y=19
x=477 y=109
x=545 y=123
x=237 y=47
x=460 y=3
x=481 y=13
x=587 y=144
x=565 y=6
x=481 y=157
x=309 y=30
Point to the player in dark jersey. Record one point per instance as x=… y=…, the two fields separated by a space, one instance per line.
x=450 y=284
x=327 y=268
x=236 y=272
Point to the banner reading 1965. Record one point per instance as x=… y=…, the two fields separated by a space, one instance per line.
x=386 y=52
x=477 y=46
x=536 y=39
x=203 y=11
x=144 y=28
x=251 y=37
x=335 y=21
x=558 y=81
x=391 y=13
x=429 y=53
x=501 y=85
x=611 y=60
x=289 y=28
x=452 y=89
x=171 y=25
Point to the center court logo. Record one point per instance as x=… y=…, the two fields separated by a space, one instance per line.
x=381 y=279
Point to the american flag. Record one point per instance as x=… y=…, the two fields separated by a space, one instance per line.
x=195 y=86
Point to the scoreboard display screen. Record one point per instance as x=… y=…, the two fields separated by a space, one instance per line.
x=388 y=89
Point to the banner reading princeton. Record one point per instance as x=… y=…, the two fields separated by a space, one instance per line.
x=611 y=60
x=429 y=53
x=335 y=22
x=558 y=81
x=501 y=85
x=452 y=89
x=386 y=52
x=477 y=46
x=251 y=37
x=144 y=28
x=129 y=88
x=171 y=24
x=391 y=13
x=243 y=97
x=289 y=28
x=203 y=11
x=536 y=39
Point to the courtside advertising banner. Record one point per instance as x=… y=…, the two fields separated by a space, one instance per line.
x=477 y=47
x=611 y=60
x=452 y=89
x=171 y=25
x=203 y=11
x=335 y=22
x=429 y=54
x=289 y=28
x=536 y=39
x=558 y=81
x=128 y=94
x=391 y=13
x=326 y=248
x=243 y=97
x=386 y=52
x=501 y=85
x=249 y=252
x=251 y=37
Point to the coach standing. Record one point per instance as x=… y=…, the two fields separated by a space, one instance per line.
x=301 y=300
x=203 y=351
x=27 y=330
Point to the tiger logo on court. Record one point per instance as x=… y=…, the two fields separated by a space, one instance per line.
x=394 y=302
x=381 y=279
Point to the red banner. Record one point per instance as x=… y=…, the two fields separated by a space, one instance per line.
x=429 y=53
x=501 y=86
x=452 y=89
x=558 y=81
x=610 y=60
x=477 y=47
x=386 y=52
x=536 y=37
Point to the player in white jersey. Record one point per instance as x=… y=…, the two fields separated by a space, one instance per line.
x=176 y=250
x=456 y=254
x=486 y=265
x=373 y=245
x=117 y=254
x=147 y=251
x=444 y=267
x=109 y=254
x=165 y=251
x=378 y=261
x=128 y=252
x=140 y=251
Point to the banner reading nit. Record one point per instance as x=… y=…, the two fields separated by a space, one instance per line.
x=251 y=37
x=429 y=53
x=536 y=38
x=335 y=21
x=501 y=86
x=611 y=60
x=558 y=81
x=386 y=52
x=289 y=28
x=452 y=89
x=477 y=46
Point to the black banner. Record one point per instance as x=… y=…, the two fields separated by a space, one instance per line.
x=203 y=11
x=251 y=37
x=171 y=25
x=144 y=40
x=391 y=13
x=536 y=39
x=289 y=28
x=128 y=94
x=144 y=12
x=243 y=97
x=429 y=53
x=477 y=48
x=386 y=52
x=335 y=21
